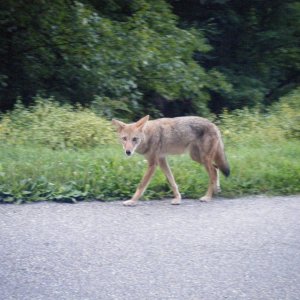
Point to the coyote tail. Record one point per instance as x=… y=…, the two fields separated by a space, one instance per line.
x=221 y=160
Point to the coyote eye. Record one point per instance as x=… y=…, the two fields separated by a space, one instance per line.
x=124 y=138
x=135 y=139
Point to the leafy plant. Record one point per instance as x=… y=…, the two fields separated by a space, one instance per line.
x=56 y=126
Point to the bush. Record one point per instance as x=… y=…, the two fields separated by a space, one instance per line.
x=280 y=122
x=286 y=113
x=56 y=126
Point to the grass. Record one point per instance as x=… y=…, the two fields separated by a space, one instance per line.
x=104 y=173
x=63 y=153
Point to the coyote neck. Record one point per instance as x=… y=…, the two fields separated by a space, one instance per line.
x=145 y=145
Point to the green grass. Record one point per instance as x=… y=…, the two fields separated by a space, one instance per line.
x=37 y=173
x=62 y=153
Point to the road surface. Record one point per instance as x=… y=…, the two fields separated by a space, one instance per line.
x=246 y=248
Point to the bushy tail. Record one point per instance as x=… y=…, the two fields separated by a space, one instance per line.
x=221 y=160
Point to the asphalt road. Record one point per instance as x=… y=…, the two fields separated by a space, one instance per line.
x=245 y=248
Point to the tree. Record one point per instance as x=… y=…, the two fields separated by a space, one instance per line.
x=133 y=53
x=255 y=45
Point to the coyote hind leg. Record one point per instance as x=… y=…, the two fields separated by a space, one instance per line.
x=217 y=187
x=213 y=172
x=213 y=181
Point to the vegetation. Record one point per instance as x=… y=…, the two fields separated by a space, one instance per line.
x=255 y=44
x=262 y=149
x=158 y=57
x=56 y=126
x=67 y=67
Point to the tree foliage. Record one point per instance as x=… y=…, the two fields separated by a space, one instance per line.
x=255 y=45
x=127 y=58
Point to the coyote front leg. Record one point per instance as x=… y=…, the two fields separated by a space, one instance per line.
x=142 y=186
x=166 y=169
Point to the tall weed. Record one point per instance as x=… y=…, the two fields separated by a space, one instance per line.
x=56 y=126
x=250 y=126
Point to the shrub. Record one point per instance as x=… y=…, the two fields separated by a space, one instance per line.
x=280 y=122
x=56 y=126
x=286 y=113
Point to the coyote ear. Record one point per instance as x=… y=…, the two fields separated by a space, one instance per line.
x=119 y=125
x=141 y=123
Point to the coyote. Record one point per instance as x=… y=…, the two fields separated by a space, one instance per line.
x=158 y=138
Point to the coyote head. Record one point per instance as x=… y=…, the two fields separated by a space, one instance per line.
x=131 y=135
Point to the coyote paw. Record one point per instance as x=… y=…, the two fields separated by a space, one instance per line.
x=217 y=190
x=176 y=201
x=205 y=199
x=130 y=203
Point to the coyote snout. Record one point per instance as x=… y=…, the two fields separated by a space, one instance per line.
x=158 y=138
x=129 y=144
